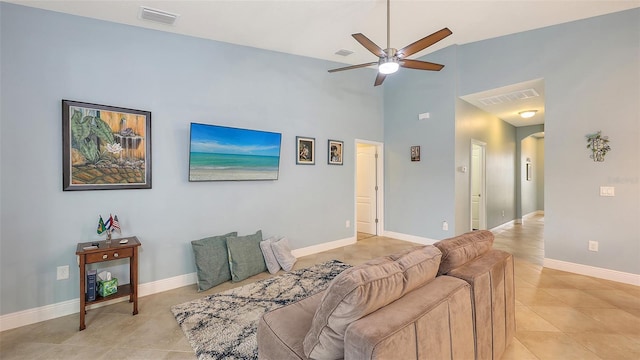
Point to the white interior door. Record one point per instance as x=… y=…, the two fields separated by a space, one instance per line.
x=366 y=189
x=478 y=198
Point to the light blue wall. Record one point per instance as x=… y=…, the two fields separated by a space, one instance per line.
x=539 y=170
x=529 y=187
x=47 y=56
x=527 y=191
x=419 y=196
x=590 y=69
x=499 y=136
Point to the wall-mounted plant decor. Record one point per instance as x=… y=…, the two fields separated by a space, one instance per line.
x=599 y=146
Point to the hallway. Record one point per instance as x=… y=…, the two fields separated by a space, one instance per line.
x=525 y=241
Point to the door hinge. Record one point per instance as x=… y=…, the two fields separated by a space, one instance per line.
x=376 y=221
x=376 y=155
x=376 y=188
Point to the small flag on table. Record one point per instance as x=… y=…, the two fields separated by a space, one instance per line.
x=101 y=227
x=115 y=224
x=109 y=222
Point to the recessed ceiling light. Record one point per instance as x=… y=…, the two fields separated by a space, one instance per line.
x=527 y=113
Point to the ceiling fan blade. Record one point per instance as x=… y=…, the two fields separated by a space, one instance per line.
x=379 y=79
x=424 y=43
x=354 y=67
x=420 y=65
x=370 y=45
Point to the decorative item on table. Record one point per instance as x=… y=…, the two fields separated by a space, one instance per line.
x=91 y=285
x=112 y=224
x=106 y=284
x=599 y=146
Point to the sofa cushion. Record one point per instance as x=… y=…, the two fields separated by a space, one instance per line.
x=245 y=256
x=419 y=265
x=354 y=293
x=269 y=257
x=459 y=250
x=283 y=254
x=212 y=260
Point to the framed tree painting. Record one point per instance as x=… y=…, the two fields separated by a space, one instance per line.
x=335 y=152
x=105 y=147
x=305 y=150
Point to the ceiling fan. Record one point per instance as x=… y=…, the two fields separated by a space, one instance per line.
x=391 y=59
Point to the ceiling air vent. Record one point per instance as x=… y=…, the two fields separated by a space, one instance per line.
x=157 y=15
x=509 y=97
x=344 y=52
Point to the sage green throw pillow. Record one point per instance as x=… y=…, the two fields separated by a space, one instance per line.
x=245 y=256
x=212 y=260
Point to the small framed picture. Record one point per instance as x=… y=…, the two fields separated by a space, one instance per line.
x=305 y=150
x=335 y=152
x=415 y=153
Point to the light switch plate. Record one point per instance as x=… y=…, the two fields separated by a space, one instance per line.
x=607 y=191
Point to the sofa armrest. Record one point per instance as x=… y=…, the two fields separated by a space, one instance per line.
x=492 y=283
x=433 y=321
x=281 y=331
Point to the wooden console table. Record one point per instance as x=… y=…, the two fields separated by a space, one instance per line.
x=109 y=252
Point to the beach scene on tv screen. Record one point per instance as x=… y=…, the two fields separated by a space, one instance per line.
x=225 y=153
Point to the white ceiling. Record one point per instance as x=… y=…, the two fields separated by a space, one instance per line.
x=506 y=102
x=319 y=28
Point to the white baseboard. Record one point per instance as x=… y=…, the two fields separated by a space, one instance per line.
x=171 y=283
x=32 y=316
x=600 y=273
x=314 y=249
x=64 y=308
x=411 y=238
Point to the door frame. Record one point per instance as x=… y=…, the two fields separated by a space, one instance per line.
x=379 y=181
x=482 y=216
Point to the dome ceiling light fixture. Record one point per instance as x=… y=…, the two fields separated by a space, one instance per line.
x=527 y=113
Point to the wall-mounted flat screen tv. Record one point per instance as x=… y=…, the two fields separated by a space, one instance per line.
x=218 y=153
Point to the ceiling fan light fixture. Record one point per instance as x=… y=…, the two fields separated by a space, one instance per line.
x=388 y=66
x=527 y=113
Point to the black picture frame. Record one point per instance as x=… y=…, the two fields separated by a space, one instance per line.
x=305 y=150
x=335 y=153
x=415 y=153
x=105 y=147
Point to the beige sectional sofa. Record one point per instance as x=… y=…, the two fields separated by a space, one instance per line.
x=451 y=300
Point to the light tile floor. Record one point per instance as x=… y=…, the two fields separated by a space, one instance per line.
x=559 y=315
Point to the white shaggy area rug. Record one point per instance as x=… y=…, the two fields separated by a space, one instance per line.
x=224 y=325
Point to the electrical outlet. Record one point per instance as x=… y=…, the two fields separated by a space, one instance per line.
x=593 y=245
x=347 y=224
x=445 y=226
x=63 y=272
x=502 y=213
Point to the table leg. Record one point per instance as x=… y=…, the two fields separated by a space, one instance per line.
x=133 y=271
x=82 y=291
